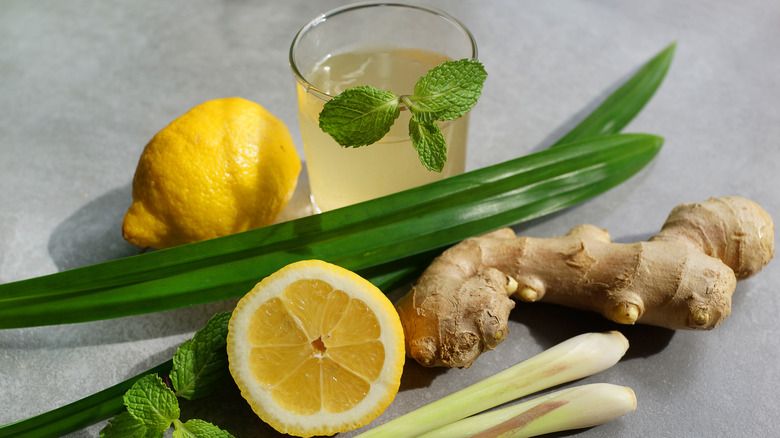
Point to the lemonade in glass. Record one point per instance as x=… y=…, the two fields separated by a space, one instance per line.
x=388 y=46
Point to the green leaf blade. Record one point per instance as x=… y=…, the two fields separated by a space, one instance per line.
x=152 y=402
x=359 y=116
x=357 y=237
x=448 y=91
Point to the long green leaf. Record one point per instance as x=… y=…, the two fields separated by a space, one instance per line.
x=356 y=237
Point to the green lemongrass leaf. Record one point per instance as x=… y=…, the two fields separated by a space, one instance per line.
x=429 y=143
x=152 y=402
x=620 y=107
x=357 y=237
x=572 y=408
x=447 y=91
x=125 y=425
x=359 y=116
x=201 y=362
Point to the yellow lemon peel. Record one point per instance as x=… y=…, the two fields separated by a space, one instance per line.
x=225 y=166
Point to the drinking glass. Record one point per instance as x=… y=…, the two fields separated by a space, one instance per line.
x=388 y=46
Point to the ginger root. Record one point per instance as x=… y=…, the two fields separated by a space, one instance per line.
x=682 y=278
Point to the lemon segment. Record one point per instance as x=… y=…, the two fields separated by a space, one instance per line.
x=272 y=324
x=306 y=301
x=315 y=349
x=364 y=359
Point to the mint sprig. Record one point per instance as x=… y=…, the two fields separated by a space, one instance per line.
x=362 y=115
x=152 y=406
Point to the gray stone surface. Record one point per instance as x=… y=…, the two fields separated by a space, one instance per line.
x=85 y=84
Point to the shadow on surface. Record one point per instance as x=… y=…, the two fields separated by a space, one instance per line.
x=583 y=113
x=93 y=234
x=224 y=404
x=552 y=324
x=158 y=325
x=227 y=409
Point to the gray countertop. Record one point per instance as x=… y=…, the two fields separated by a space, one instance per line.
x=85 y=84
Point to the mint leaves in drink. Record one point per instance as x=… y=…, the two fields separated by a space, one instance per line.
x=362 y=115
x=153 y=406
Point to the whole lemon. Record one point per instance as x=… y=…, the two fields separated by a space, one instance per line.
x=225 y=166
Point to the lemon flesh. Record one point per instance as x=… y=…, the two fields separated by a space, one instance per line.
x=316 y=349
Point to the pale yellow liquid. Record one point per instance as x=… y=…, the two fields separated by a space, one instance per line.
x=341 y=176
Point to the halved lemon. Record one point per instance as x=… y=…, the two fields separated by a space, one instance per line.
x=315 y=349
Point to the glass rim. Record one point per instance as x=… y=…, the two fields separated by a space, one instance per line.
x=319 y=19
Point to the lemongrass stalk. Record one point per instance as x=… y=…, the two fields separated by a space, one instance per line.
x=567 y=409
x=578 y=357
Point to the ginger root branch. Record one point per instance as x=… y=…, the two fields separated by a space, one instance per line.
x=682 y=278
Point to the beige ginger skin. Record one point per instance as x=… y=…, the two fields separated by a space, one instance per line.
x=682 y=278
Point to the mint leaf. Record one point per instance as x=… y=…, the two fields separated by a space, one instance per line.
x=447 y=91
x=201 y=362
x=363 y=115
x=359 y=116
x=125 y=425
x=198 y=429
x=150 y=401
x=429 y=142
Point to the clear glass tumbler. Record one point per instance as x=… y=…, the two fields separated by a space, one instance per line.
x=388 y=46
